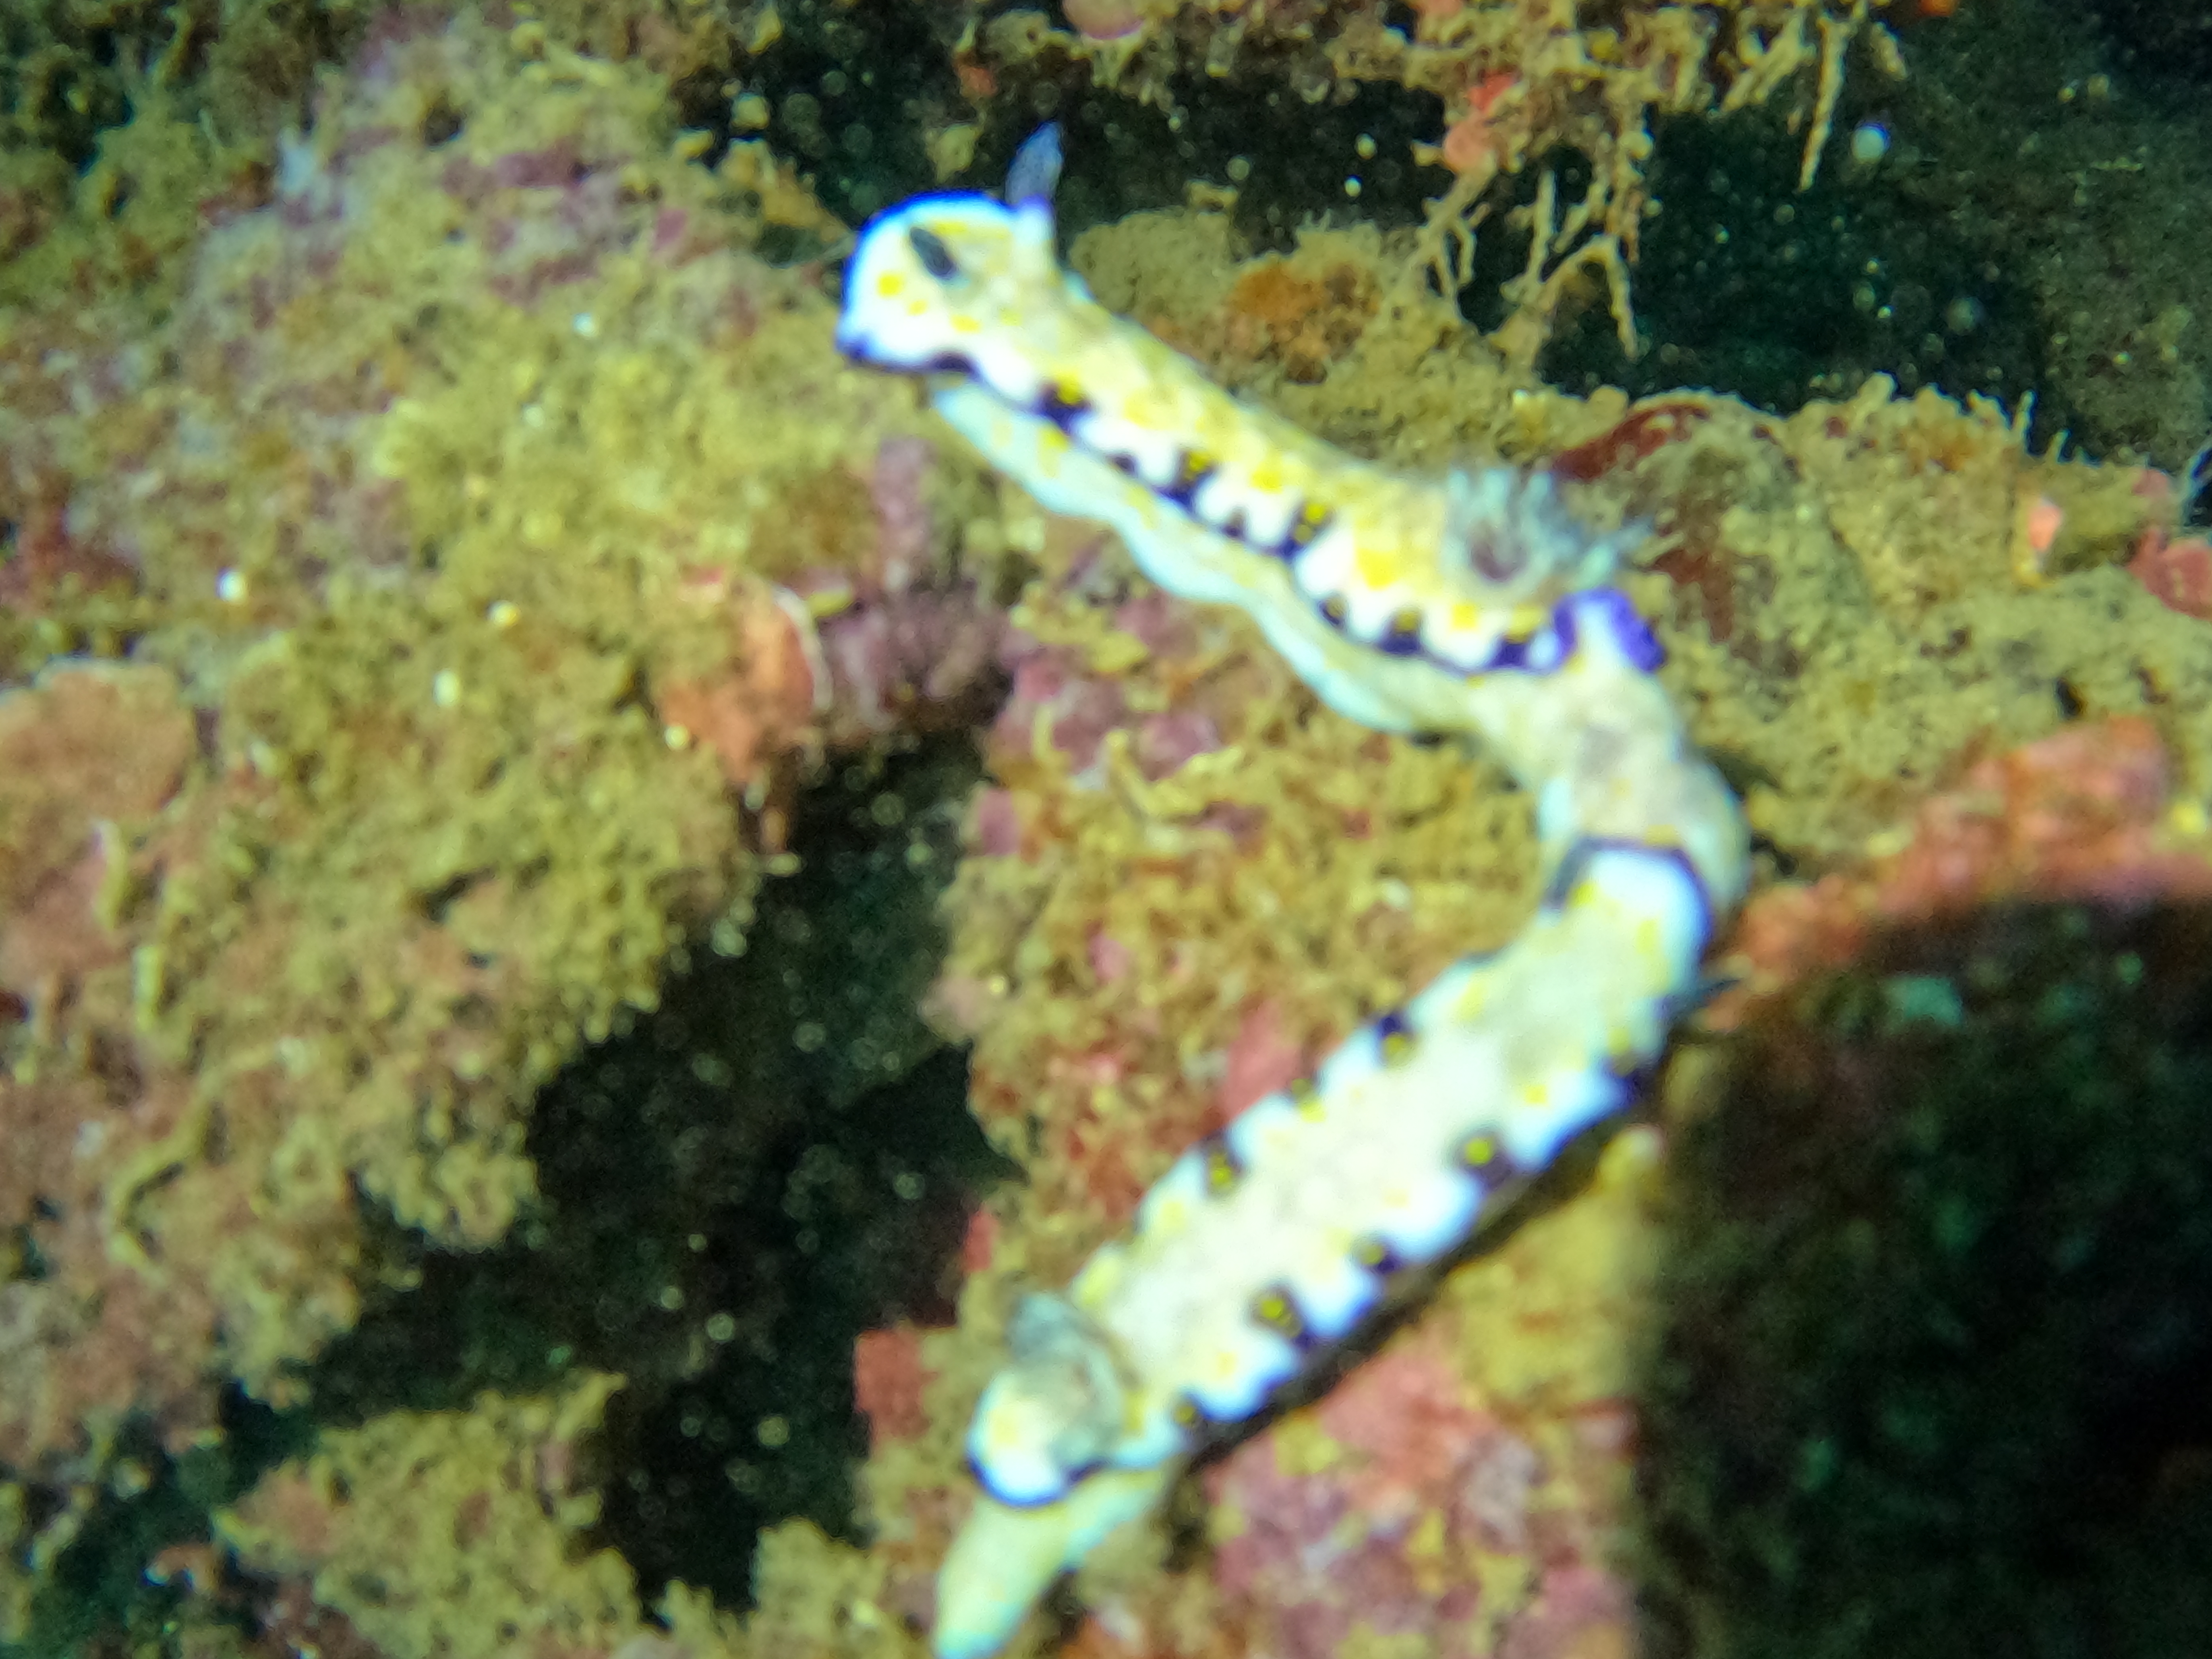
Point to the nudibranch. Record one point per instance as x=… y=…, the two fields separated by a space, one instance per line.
x=1471 y=603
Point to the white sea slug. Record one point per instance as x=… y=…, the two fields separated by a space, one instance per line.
x=1470 y=603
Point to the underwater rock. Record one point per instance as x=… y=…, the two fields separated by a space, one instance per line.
x=393 y=502
x=1933 y=1342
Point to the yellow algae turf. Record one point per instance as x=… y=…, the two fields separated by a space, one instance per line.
x=423 y=547
x=465 y=1534
x=412 y=555
x=448 y=1533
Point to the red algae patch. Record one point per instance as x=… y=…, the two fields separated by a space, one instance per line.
x=888 y=1376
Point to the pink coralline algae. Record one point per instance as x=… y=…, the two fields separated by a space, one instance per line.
x=888 y=1376
x=1260 y=1059
x=2082 y=815
x=1057 y=692
x=88 y=757
x=89 y=746
x=2174 y=567
x=1462 y=1489
x=896 y=485
x=1419 y=1476
x=2177 y=571
x=923 y=659
x=1104 y=20
x=908 y=638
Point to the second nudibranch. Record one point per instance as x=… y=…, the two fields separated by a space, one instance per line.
x=1470 y=603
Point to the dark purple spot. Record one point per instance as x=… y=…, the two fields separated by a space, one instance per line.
x=1062 y=410
x=929 y=248
x=857 y=347
x=1376 y=1255
x=1275 y=1309
x=1191 y=475
x=1542 y=651
x=1390 y=1027
x=983 y=1480
x=555 y=167
x=1484 y=1157
x=1306 y=526
x=1219 y=1161
x=1609 y=608
x=1497 y=561
x=1401 y=638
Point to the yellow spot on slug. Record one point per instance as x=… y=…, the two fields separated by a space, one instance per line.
x=1148 y=413
x=1377 y=567
x=890 y=284
x=1311 y=517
